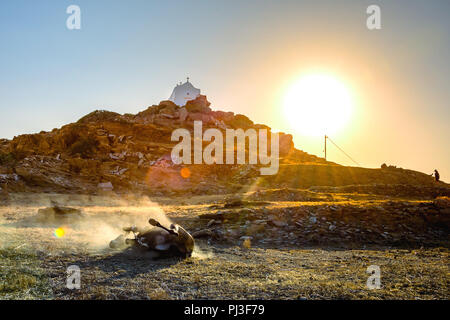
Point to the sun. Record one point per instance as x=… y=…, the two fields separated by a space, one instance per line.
x=318 y=104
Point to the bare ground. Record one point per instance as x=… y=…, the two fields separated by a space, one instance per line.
x=279 y=264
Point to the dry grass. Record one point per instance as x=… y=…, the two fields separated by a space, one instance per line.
x=21 y=276
x=37 y=268
x=261 y=273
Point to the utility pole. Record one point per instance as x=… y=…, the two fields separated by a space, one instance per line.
x=325 y=150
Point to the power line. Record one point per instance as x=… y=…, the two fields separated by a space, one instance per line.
x=327 y=137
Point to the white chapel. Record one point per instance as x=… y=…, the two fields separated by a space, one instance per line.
x=182 y=93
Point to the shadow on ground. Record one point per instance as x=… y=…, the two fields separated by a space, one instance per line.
x=128 y=263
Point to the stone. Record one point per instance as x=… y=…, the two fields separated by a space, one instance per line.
x=106 y=186
x=286 y=144
x=199 y=104
x=259 y=221
x=167 y=105
x=183 y=114
x=195 y=116
x=241 y=122
x=255 y=229
x=117 y=243
x=223 y=116
x=247 y=243
x=442 y=202
x=58 y=215
x=279 y=223
x=203 y=233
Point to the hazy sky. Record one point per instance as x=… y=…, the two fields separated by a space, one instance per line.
x=243 y=55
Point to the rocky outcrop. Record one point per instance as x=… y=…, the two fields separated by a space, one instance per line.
x=100 y=115
x=108 y=152
x=240 y=121
x=396 y=223
x=286 y=144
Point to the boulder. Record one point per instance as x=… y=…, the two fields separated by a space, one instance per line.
x=205 y=118
x=255 y=228
x=279 y=223
x=286 y=144
x=195 y=116
x=168 y=109
x=168 y=104
x=442 y=202
x=183 y=114
x=58 y=215
x=223 y=116
x=199 y=104
x=241 y=122
x=105 y=186
x=205 y=233
x=169 y=115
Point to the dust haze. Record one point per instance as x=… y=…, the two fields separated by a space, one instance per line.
x=103 y=220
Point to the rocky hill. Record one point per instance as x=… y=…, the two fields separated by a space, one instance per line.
x=108 y=152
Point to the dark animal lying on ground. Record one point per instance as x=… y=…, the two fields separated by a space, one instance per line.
x=173 y=241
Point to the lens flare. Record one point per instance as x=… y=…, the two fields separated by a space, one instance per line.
x=59 y=233
x=185 y=173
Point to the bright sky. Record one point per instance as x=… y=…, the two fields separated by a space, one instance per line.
x=244 y=55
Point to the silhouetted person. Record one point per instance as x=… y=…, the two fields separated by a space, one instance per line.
x=436 y=175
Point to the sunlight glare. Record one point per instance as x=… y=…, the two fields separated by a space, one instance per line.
x=318 y=104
